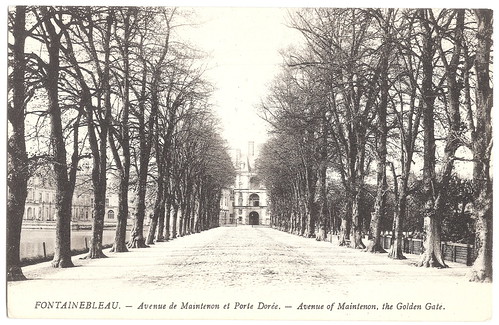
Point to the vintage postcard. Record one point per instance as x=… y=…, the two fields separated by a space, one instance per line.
x=264 y=162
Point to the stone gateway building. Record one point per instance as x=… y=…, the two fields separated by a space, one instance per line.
x=249 y=196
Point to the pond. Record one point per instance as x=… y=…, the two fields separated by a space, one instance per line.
x=34 y=240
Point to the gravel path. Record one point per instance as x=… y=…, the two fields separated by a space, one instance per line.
x=247 y=267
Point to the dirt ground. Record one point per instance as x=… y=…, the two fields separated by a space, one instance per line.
x=249 y=273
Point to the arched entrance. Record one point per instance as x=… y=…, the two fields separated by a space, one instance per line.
x=254 y=218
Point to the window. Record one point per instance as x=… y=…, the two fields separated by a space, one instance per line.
x=110 y=214
x=40 y=196
x=29 y=216
x=240 y=200
x=254 y=200
x=107 y=202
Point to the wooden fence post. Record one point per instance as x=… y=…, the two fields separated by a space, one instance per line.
x=468 y=255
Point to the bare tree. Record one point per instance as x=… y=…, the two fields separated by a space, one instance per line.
x=385 y=22
x=407 y=117
x=119 y=134
x=51 y=32
x=17 y=163
x=154 y=57
x=435 y=185
x=481 y=147
x=95 y=26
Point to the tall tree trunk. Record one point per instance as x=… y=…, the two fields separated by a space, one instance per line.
x=192 y=211
x=95 y=249
x=346 y=223
x=303 y=211
x=146 y=139
x=17 y=158
x=200 y=210
x=124 y=161
x=186 y=215
x=156 y=212
x=152 y=229
x=168 y=208
x=64 y=191
x=374 y=244
x=137 y=239
x=435 y=188
x=99 y=171
x=62 y=251
x=119 y=245
x=187 y=221
x=174 y=220
x=311 y=217
x=310 y=187
x=408 y=135
x=137 y=235
x=432 y=255
x=160 y=235
x=357 y=220
x=482 y=146
x=323 y=216
x=181 y=221
x=396 y=251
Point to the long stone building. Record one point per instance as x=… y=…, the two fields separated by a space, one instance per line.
x=40 y=202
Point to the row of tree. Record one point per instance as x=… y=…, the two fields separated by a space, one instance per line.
x=392 y=97
x=116 y=86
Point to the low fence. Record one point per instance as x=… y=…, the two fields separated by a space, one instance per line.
x=453 y=252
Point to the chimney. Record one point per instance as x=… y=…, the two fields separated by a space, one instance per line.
x=251 y=149
x=238 y=157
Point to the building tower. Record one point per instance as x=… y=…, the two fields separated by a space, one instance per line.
x=249 y=197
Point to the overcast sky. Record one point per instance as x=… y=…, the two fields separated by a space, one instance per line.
x=244 y=45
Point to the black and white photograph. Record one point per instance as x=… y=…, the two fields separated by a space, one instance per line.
x=251 y=161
